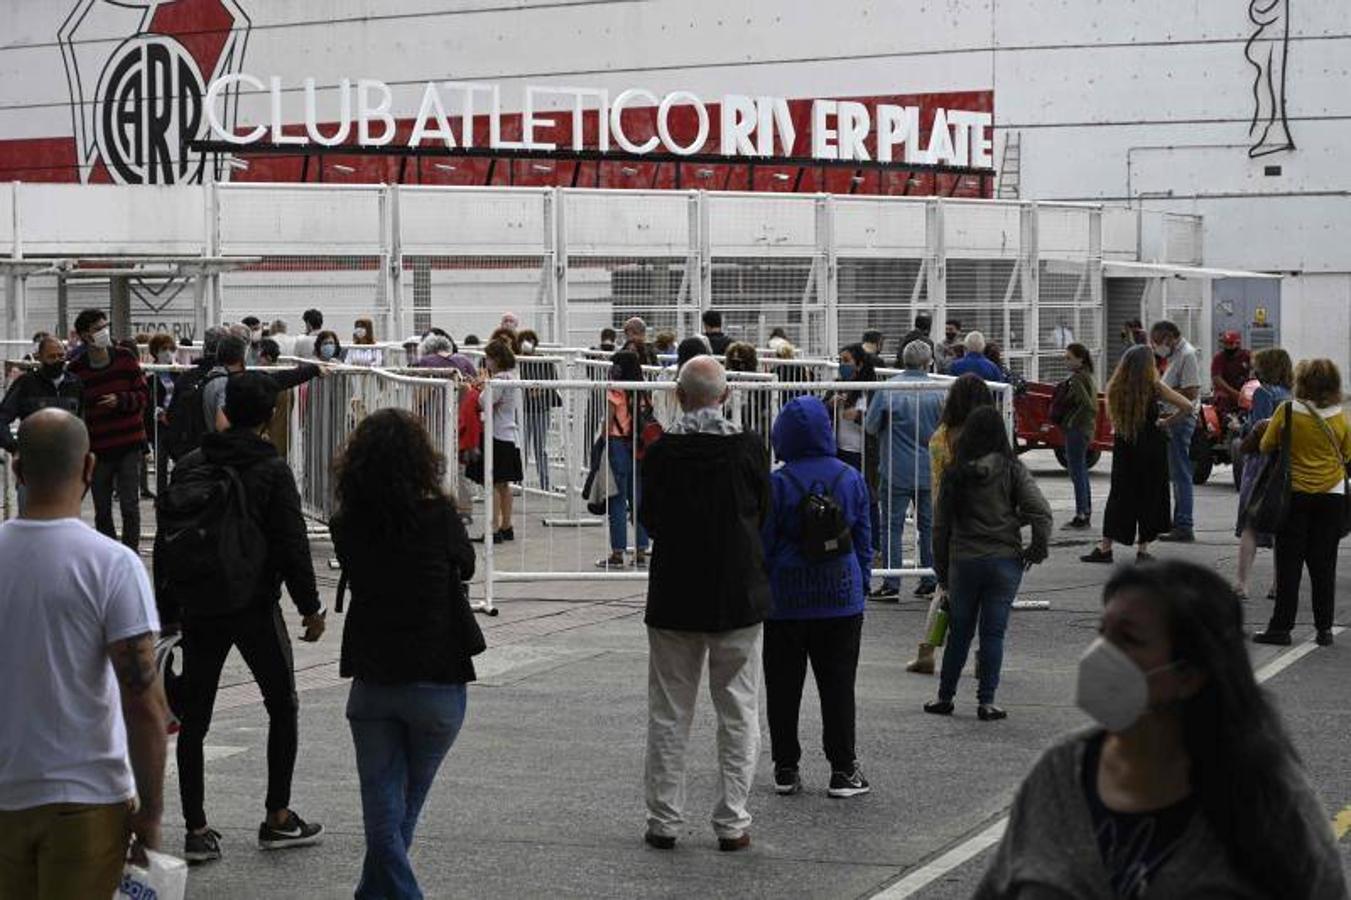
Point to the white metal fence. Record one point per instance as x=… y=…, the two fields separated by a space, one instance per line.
x=567 y=261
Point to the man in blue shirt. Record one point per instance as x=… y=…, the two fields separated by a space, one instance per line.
x=975 y=360
x=904 y=421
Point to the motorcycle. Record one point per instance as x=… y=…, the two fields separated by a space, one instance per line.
x=1218 y=435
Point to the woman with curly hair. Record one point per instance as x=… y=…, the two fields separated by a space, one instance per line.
x=409 y=637
x=1137 y=502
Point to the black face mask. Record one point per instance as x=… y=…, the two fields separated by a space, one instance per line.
x=52 y=371
x=1230 y=351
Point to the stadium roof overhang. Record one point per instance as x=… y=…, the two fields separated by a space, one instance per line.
x=1123 y=269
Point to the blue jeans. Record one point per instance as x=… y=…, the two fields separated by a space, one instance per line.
x=896 y=501
x=1180 y=470
x=978 y=589
x=401 y=733
x=1076 y=454
x=628 y=481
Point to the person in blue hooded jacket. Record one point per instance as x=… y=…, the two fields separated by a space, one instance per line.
x=816 y=606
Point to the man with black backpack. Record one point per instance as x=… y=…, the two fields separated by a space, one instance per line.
x=818 y=550
x=230 y=533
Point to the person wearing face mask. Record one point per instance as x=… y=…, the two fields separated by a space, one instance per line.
x=48 y=385
x=1230 y=369
x=327 y=348
x=363 y=351
x=853 y=445
x=1182 y=374
x=115 y=398
x=1188 y=784
x=162 y=350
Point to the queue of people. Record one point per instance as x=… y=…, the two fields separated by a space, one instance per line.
x=753 y=574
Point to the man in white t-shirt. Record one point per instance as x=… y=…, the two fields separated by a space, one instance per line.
x=1183 y=375
x=79 y=690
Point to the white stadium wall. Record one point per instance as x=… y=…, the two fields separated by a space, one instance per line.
x=1149 y=102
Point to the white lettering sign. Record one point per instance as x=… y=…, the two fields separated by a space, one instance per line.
x=759 y=127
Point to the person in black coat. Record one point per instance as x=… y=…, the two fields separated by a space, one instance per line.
x=251 y=622
x=410 y=634
x=705 y=496
x=47 y=385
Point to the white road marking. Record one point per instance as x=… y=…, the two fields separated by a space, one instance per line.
x=973 y=846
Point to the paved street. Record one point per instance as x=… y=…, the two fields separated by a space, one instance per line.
x=542 y=795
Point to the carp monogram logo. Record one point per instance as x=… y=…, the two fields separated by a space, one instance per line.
x=138 y=71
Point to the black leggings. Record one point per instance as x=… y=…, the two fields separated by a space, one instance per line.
x=832 y=645
x=1309 y=538
x=260 y=635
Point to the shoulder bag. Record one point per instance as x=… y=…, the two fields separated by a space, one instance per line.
x=1337 y=449
x=1269 y=505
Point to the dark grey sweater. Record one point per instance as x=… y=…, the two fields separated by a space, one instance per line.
x=1049 y=851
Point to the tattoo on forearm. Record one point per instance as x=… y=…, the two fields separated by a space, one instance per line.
x=134 y=662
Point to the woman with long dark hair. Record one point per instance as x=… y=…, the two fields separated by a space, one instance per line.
x=853 y=445
x=967 y=394
x=623 y=421
x=406 y=643
x=1077 y=423
x=1190 y=786
x=1137 y=502
x=986 y=498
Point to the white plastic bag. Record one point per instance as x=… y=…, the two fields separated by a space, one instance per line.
x=164 y=878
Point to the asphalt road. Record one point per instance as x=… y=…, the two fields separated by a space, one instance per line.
x=542 y=794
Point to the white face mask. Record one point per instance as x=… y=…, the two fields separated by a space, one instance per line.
x=166 y=357
x=1163 y=351
x=527 y=346
x=102 y=338
x=1111 y=687
x=360 y=332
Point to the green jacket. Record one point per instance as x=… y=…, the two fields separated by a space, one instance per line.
x=1083 y=413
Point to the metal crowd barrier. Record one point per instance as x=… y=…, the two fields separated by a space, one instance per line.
x=753 y=400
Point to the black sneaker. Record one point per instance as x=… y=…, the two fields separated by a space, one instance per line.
x=508 y=534
x=295 y=833
x=926 y=588
x=787 y=780
x=847 y=784
x=1178 y=536
x=886 y=594
x=1077 y=523
x=203 y=847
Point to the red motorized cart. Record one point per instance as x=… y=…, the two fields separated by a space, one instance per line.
x=1033 y=428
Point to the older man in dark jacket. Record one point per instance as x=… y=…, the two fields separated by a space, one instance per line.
x=47 y=385
x=705 y=496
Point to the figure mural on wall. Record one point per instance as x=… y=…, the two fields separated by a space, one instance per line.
x=1268 y=50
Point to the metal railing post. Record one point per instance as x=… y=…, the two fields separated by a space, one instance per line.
x=486 y=411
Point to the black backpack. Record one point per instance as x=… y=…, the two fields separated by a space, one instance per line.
x=823 y=531
x=186 y=414
x=209 y=550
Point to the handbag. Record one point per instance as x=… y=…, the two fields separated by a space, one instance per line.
x=1269 y=505
x=1346 y=484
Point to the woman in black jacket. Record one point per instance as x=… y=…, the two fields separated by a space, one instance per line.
x=409 y=636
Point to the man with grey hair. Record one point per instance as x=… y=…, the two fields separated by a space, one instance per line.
x=83 y=705
x=904 y=420
x=635 y=339
x=975 y=360
x=706 y=493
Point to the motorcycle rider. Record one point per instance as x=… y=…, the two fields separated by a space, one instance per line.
x=1230 y=369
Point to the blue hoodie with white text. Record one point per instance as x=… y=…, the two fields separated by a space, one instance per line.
x=805 y=442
